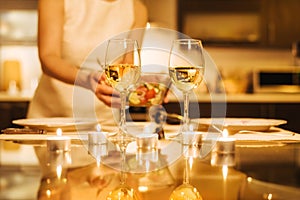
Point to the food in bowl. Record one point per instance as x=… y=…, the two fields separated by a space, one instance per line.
x=147 y=94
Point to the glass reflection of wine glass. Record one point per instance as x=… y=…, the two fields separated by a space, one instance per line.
x=191 y=144
x=123 y=191
x=186 y=69
x=122 y=69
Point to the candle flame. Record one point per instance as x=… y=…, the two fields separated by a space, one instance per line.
x=48 y=193
x=225 y=133
x=225 y=172
x=59 y=171
x=191 y=160
x=59 y=132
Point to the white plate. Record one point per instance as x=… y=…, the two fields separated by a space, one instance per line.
x=52 y=124
x=234 y=125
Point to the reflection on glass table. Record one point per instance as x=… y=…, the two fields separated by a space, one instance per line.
x=262 y=170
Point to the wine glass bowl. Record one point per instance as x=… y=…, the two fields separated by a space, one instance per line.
x=186 y=69
x=122 y=69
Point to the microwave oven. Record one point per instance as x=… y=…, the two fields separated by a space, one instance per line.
x=283 y=79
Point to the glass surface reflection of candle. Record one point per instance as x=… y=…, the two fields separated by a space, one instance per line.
x=147 y=152
x=97 y=145
x=59 y=142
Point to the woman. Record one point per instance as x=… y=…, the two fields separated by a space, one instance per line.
x=68 y=31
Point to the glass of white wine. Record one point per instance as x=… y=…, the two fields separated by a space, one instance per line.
x=122 y=70
x=186 y=69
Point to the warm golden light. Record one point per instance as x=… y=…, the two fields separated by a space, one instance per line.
x=59 y=171
x=225 y=172
x=143 y=188
x=148 y=25
x=59 y=132
x=191 y=160
x=48 y=193
x=225 y=133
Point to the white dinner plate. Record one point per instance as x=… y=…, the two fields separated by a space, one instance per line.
x=234 y=125
x=53 y=123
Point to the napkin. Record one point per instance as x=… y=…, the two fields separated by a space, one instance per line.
x=274 y=134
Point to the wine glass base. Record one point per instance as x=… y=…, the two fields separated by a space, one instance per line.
x=121 y=139
x=122 y=192
x=185 y=191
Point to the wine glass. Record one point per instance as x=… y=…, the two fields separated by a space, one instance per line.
x=186 y=69
x=122 y=70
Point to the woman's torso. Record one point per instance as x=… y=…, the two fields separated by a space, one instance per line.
x=88 y=23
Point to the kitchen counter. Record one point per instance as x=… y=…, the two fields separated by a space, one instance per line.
x=18 y=97
x=215 y=97
x=243 y=98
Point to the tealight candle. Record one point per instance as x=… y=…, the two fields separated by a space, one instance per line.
x=59 y=142
x=224 y=151
x=225 y=145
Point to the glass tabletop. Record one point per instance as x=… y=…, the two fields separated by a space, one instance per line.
x=252 y=170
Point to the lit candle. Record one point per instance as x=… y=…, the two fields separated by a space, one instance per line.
x=224 y=151
x=225 y=144
x=59 y=142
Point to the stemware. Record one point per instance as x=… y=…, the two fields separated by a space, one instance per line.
x=186 y=69
x=122 y=70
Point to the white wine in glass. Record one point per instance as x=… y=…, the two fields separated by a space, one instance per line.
x=186 y=69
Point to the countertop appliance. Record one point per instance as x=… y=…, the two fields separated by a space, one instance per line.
x=281 y=79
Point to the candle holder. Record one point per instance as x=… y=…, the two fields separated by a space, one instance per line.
x=59 y=143
x=147 y=141
x=223 y=152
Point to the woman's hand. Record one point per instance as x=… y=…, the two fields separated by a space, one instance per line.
x=107 y=94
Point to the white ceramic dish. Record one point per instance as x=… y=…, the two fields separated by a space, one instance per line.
x=52 y=124
x=234 y=125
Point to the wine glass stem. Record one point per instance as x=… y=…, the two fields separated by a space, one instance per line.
x=186 y=173
x=123 y=113
x=186 y=112
x=123 y=163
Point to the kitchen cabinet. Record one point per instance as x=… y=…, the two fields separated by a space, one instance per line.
x=269 y=23
x=282 y=22
x=10 y=111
